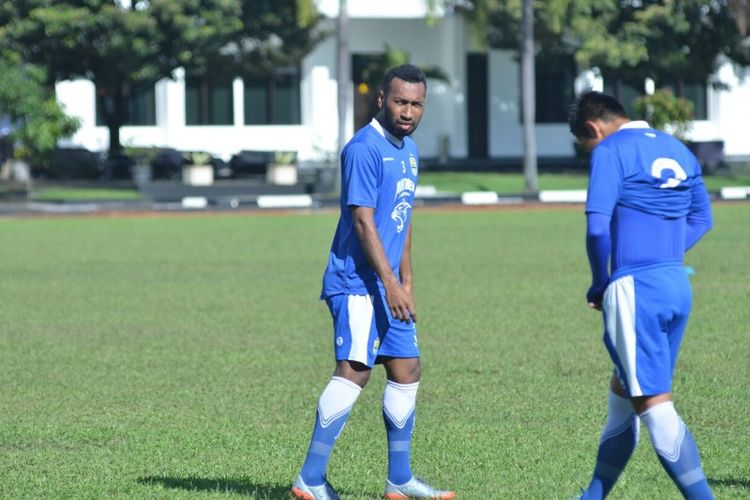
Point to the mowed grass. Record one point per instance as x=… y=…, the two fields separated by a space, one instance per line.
x=509 y=183
x=182 y=357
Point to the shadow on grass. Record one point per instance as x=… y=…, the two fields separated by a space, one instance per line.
x=736 y=483
x=242 y=487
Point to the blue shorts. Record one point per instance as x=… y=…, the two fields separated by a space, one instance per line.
x=363 y=330
x=645 y=315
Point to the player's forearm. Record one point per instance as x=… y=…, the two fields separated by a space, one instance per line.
x=700 y=219
x=598 y=247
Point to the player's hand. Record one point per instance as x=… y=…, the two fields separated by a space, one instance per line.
x=401 y=303
x=594 y=297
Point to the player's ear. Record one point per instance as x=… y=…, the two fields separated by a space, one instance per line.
x=595 y=129
x=381 y=99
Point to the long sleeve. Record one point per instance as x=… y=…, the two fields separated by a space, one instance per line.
x=598 y=247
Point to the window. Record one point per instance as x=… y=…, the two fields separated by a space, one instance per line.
x=274 y=100
x=141 y=106
x=208 y=102
x=555 y=87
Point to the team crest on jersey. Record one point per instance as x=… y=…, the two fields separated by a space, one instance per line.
x=413 y=164
x=404 y=188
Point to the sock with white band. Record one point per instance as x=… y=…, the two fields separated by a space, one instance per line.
x=399 y=404
x=676 y=450
x=618 y=441
x=334 y=406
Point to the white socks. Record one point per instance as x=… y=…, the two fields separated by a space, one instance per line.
x=399 y=401
x=666 y=429
x=620 y=414
x=337 y=399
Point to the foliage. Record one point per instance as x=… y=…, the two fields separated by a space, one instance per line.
x=668 y=40
x=285 y=157
x=663 y=110
x=127 y=46
x=142 y=155
x=372 y=73
x=269 y=35
x=38 y=120
x=675 y=40
x=148 y=363
x=121 y=46
x=198 y=158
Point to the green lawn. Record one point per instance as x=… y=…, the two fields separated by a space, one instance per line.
x=514 y=183
x=84 y=194
x=452 y=182
x=182 y=357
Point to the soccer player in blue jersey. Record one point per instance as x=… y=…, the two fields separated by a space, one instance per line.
x=646 y=206
x=368 y=287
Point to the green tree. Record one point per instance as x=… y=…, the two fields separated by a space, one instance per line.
x=121 y=46
x=674 y=41
x=270 y=34
x=38 y=120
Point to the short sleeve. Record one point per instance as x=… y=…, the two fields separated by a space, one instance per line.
x=605 y=182
x=361 y=175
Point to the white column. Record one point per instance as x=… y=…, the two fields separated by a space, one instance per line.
x=238 y=98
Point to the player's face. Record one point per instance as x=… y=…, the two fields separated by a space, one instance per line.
x=402 y=106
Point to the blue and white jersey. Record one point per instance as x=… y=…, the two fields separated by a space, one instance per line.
x=649 y=183
x=378 y=171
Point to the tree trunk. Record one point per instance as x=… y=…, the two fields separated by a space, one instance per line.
x=529 y=94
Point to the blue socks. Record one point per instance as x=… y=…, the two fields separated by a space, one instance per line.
x=399 y=403
x=334 y=406
x=618 y=441
x=677 y=450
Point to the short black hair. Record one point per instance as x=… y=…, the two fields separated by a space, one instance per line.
x=593 y=105
x=405 y=72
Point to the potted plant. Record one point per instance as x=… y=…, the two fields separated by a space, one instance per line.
x=142 y=157
x=283 y=170
x=198 y=171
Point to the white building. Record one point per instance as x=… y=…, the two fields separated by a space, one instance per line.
x=474 y=116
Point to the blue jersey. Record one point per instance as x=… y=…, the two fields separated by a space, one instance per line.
x=377 y=171
x=650 y=184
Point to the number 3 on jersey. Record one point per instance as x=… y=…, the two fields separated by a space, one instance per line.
x=661 y=164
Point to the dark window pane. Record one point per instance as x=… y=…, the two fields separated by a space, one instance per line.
x=696 y=93
x=192 y=102
x=286 y=100
x=274 y=100
x=555 y=77
x=220 y=107
x=208 y=102
x=141 y=106
x=256 y=102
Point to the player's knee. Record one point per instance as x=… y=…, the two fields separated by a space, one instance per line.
x=665 y=428
x=353 y=371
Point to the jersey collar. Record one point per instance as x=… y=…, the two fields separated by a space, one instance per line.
x=390 y=137
x=634 y=124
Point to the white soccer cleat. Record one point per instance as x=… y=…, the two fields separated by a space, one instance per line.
x=301 y=491
x=415 y=488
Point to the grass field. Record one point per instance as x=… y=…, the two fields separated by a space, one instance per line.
x=443 y=181
x=182 y=357
x=514 y=183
